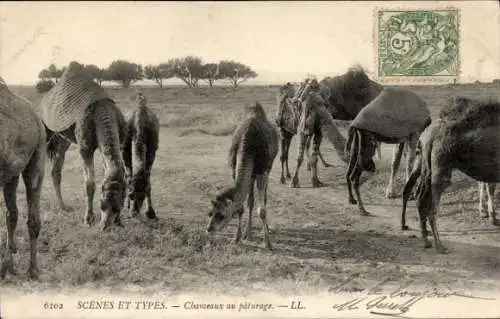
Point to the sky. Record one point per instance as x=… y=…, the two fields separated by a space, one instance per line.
x=281 y=41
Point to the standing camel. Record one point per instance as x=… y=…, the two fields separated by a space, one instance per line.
x=22 y=152
x=396 y=116
x=251 y=155
x=465 y=137
x=346 y=95
x=287 y=119
x=143 y=129
x=77 y=110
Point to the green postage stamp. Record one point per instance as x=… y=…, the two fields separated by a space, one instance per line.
x=417 y=45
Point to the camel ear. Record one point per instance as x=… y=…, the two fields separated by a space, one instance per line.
x=229 y=202
x=214 y=203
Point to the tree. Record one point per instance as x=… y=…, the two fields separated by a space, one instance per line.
x=124 y=72
x=44 y=75
x=210 y=73
x=160 y=72
x=189 y=69
x=96 y=73
x=235 y=72
x=51 y=73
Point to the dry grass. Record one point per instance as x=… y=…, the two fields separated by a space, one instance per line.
x=319 y=238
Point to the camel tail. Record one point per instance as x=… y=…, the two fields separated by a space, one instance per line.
x=350 y=139
x=54 y=142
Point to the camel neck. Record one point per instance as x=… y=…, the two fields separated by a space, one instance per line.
x=242 y=182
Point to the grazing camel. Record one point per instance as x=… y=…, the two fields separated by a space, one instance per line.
x=288 y=119
x=465 y=137
x=143 y=129
x=396 y=116
x=22 y=152
x=77 y=110
x=251 y=155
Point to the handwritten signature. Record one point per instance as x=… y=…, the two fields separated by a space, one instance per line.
x=396 y=302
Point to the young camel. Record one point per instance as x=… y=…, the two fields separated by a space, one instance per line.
x=465 y=137
x=396 y=116
x=22 y=152
x=139 y=155
x=251 y=155
x=77 y=110
x=287 y=119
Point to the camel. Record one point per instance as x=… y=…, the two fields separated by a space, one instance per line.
x=395 y=116
x=346 y=95
x=22 y=152
x=350 y=93
x=464 y=137
x=143 y=129
x=254 y=147
x=77 y=110
x=287 y=118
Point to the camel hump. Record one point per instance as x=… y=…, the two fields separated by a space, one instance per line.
x=395 y=113
x=69 y=98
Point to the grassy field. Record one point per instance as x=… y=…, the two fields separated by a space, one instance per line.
x=319 y=238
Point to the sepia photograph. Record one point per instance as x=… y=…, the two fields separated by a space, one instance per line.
x=253 y=159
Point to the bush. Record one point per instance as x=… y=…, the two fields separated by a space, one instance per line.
x=44 y=86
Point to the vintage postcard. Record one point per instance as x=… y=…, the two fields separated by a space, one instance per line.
x=332 y=159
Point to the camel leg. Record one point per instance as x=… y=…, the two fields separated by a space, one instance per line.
x=440 y=180
x=408 y=192
x=300 y=159
x=308 y=149
x=33 y=176
x=325 y=163
x=396 y=161
x=237 y=237
x=10 y=197
x=423 y=230
x=491 y=203
x=250 y=203
x=379 y=150
x=317 y=137
x=127 y=161
x=356 y=184
x=150 y=212
x=411 y=145
x=286 y=139
x=262 y=181
x=483 y=210
x=353 y=165
x=56 y=173
x=89 y=174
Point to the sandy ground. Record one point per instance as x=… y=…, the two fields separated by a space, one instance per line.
x=319 y=238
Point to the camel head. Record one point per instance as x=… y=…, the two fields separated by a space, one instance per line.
x=286 y=91
x=112 y=198
x=140 y=100
x=222 y=211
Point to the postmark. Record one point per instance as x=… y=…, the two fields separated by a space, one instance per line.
x=417 y=45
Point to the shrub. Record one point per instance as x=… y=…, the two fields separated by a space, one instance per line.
x=44 y=86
